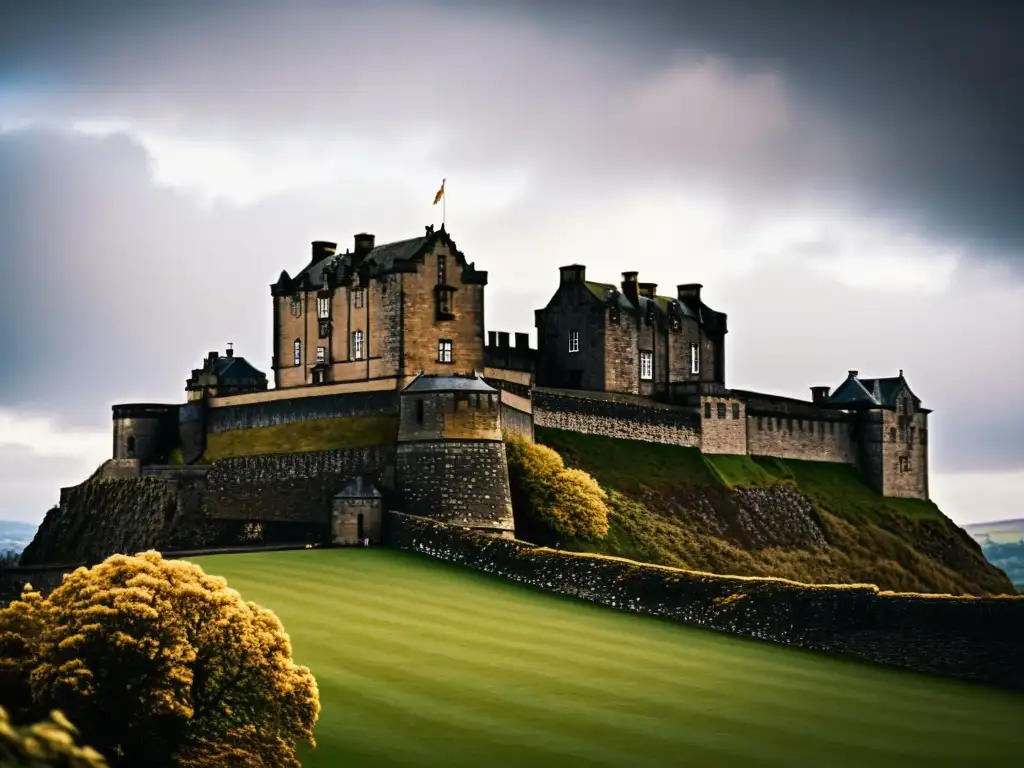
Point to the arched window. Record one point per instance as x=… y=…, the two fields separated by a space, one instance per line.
x=130 y=446
x=297 y=348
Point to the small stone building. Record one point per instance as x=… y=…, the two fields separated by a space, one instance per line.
x=224 y=375
x=356 y=513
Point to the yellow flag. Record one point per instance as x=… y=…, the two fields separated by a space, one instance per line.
x=440 y=193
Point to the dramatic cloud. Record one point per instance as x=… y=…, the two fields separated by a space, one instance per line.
x=850 y=201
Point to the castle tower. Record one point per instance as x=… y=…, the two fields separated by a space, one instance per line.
x=451 y=463
x=144 y=432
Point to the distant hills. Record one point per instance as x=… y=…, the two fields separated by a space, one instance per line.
x=1003 y=544
x=15 y=536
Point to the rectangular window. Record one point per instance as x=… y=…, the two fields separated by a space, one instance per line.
x=707 y=410
x=444 y=351
x=904 y=463
x=694 y=358
x=297 y=350
x=323 y=307
x=325 y=328
x=442 y=270
x=646 y=366
x=735 y=410
x=296 y=306
x=721 y=410
x=358 y=298
x=444 y=304
x=357 y=345
x=419 y=411
x=321 y=355
x=574 y=341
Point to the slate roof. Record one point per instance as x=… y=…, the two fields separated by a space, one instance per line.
x=236 y=368
x=358 y=487
x=382 y=257
x=439 y=383
x=877 y=392
x=662 y=303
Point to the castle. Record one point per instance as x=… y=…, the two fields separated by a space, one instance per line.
x=390 y=339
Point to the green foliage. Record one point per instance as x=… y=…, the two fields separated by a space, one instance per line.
x=302 y=436
x=47 y=744
x=569 y=502
x=158 y=664
x=175 y=457
x=739 y=471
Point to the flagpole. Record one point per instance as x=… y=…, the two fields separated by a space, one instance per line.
x=444 y=202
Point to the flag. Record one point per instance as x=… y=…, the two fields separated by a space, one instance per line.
x=440 y=193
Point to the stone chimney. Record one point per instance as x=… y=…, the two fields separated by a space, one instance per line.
x=630 y=288
x=819 y=394
x=322 y=249
x=230 y=350
x=689 y=293
x=363 y=244
x=650 y=290
x=854 y=374
x=574 y=273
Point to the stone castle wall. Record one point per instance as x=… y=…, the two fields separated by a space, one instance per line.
x=271 y=413
x=801 y=438
x=970 y=638
x=612 y=416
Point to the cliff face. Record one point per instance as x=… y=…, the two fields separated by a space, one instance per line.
x=807 y=521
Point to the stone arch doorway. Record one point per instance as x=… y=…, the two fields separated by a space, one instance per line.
x=356 y=514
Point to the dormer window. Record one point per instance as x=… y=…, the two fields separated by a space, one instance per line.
x=323 y=307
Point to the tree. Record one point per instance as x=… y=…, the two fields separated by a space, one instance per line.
x=158 y=663
x=569 y=502
x=48 y=744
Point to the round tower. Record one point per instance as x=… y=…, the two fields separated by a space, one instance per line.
x=144 y=431
x=450 y=463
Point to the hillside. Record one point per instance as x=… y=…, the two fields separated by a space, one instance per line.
x=1003 y=545
x=742 y=515
x=483 y=671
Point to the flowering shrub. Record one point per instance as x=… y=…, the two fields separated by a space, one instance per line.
x=158 y=663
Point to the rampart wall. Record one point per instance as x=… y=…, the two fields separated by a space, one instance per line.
x=971 y=638
x=801 y=438
x=616 y=416
x=269 y=413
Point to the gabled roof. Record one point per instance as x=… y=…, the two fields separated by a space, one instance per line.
x=602 y=292
x=382 y=257
x=872 y=393
x=236 y=368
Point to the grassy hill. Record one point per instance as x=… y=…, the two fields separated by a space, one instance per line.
x=425 y=663
x=808 y=521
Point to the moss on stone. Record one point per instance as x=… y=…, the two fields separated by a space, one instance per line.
x=303 y=437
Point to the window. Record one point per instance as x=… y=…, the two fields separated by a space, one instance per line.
x=321 y=355
x=296 y=306
x=721 y=410
x=646 y=366
x=323 y=307
x=419 y=411
x=892 y=434
x=904 y=463
x=444 y=302
x=442 y=270
x=707 y=410
x=297 y=350
x=695 y=358
x=358 y=298
x=324 y=328
x=735 y=410
x=574 y=341
x=444 y=351
x=357 y=345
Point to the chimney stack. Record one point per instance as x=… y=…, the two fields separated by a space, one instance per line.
x=819 y=394
x=522 y=341
x=322 y=249
x=503 y=339
x=650 y=290
x=492 y=338
x=574 y=273
x=630 y=288
x=363 y=244
x=853 y=374
x=689 y=292
x=230 y=351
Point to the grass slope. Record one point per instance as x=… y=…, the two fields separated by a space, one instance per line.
x=675 y=506
x=298 y=437
x=422 y=663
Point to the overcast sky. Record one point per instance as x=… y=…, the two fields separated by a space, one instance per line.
x=847 y=185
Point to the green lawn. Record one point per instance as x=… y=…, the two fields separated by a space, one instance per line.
x=423 y=663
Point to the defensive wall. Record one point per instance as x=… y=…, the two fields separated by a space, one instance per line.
x=974 y=639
